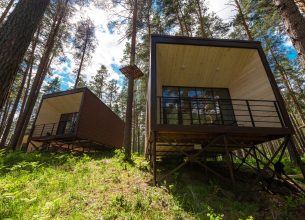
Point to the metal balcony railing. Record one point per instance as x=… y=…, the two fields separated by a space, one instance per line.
x=233 y=112
x=52 y=129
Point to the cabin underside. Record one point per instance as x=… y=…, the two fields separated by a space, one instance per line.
x=65 y=143
x=169 y=142
x=220 y=157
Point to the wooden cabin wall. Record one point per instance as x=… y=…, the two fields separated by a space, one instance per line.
x=251 y=82
x=47 y=114
x=98 y=123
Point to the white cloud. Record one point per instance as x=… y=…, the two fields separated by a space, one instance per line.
x=54 y=75
x=223 y=8
x=109 y=49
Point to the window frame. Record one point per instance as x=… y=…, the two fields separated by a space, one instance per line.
x=219 y=116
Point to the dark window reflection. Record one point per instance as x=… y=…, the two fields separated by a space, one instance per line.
x=187 y=106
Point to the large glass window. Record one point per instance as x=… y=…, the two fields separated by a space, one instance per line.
x=187 y=106
x=67 y=123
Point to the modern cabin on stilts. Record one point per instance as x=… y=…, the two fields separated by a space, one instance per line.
x=211 y=97
x=75 y=120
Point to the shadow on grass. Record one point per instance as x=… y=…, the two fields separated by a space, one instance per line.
x=204 y=195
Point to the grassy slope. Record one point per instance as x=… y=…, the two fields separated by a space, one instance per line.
x=66 y=186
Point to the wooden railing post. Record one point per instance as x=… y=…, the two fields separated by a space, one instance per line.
x=250 y=113
x=278 y=113
x=42 y=130
x=52 y=128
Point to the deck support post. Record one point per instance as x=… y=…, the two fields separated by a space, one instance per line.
x=196 y=159
x=281 y=149
x=228 y=160
x=154 y=159
x=296 y=155
x=255 y=157
x=243 y=160
x=280 y=176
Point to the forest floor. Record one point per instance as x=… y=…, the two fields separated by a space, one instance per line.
x=103 y=186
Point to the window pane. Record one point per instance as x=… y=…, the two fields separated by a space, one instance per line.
x=221 y=94
x=207 y=94
x=187 y=92
x=170 y=111
x=170 y=91
x=187 y=106
x=225 y=106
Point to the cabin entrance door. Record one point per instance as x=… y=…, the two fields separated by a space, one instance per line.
x=67 y=123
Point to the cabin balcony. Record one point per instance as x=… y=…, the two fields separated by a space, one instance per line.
x=202 y=88
x=184 y=111
x=65 y=127
x=196 y=119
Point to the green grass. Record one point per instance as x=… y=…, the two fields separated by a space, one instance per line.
x=71 y=186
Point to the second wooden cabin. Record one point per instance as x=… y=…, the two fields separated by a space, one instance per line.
x=76 y=119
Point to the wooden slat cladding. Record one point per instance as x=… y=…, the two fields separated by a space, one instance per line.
x=239 y=69
x=98 y=123
x=52 y=107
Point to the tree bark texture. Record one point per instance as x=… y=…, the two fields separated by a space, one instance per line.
x=40 y=75
x=246 y=26
x=82 y=60
x=128 y=119
x=15 y=37
x=295 y=25
x=4 y=117
x=6 y=10
x=201 y=20
x=13 y=111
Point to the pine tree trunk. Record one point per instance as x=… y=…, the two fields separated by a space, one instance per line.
x=40 y=75
x=201 y=20
x=13 y=111
x=287 y=84
x=15 y=37
x=188 y=32
x=28 y=71
x=134 y=122
x=82 y=60
x=296 y=156
x=4 y=117
x=128 y=119
x=26 y=92
x=294 y=22
x=35 y=97
x=178 y=17
x=246 y=27
x=7 y=9
x=110 y=99
x=34 y=44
